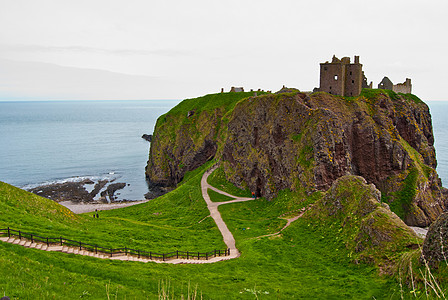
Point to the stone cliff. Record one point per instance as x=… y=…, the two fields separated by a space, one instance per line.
x=296 y=141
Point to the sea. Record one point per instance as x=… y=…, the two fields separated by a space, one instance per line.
x=46 y=142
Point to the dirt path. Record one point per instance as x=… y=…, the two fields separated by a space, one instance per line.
x=289 y=221
x=229 y=240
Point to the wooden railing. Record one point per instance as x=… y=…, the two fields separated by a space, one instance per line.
x=61 y=241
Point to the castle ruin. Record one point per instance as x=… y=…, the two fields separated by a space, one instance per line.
x=340 y=77
x=405 y=87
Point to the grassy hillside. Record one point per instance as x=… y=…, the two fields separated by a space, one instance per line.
x=346 y=246
x=306 y=261
x=166 y=224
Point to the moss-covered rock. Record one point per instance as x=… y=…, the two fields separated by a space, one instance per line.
x=367 y=227
x=435 y=247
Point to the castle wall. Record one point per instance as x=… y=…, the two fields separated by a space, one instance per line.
x=386 y=84
x=405 y=87
x=332 y=78
x=353 y=80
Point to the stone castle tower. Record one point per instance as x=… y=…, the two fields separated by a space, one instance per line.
x=340 y=77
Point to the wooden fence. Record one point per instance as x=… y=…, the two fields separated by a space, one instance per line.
x=61 y=241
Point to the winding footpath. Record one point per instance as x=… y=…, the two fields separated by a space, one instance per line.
x=288 y=222
x=229 y=240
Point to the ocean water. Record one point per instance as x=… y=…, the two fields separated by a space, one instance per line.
x=439 y=113
x=57 y=141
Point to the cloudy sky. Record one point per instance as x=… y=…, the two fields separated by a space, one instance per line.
x=153 y=49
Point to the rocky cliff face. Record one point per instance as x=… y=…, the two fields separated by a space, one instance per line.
x=187 y=137
x=305 y=142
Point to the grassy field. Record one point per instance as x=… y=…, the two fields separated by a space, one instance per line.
x=166 y=224
x=217 y=197
x=306 y=261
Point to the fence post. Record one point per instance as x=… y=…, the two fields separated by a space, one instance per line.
x=138 y=252
x=187 y=254
x=20 y=235
x=198 y=256
x=206 y=255
x=48 y=244
x=215 y=252
x=163 y=256
x=9 y=234
x=32 y=241
x=177 y=253
x=60 y=240
x=150 y=255
x=110 y=252
x=80 y=246
x=125 y=251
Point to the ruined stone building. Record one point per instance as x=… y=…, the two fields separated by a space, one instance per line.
x=236 y=89
x=405 y=87
x=340 y=77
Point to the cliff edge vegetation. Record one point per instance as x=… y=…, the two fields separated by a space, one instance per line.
x=303 y=143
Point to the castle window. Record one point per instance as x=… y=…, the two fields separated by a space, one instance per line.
x=353 y=81
x=335 y=77
x=350 y=72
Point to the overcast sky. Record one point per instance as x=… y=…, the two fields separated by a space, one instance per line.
x=146 y=49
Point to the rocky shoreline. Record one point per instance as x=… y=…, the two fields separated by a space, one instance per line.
x=81 y=192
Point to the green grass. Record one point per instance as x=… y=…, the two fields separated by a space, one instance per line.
x=252 y=219
x=217 y=197
x=306 y=261
x=165 y=224
x=411 y=97
x=302 y=263
x=403 y=198
x=372 y=94
x=218 y=180
x=225 y=101
x=406 y=194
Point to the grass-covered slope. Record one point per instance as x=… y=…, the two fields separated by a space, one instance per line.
x=306 y=261
x=342 y=247
x=24 y=209
x=168 y=223
x=367 y=227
